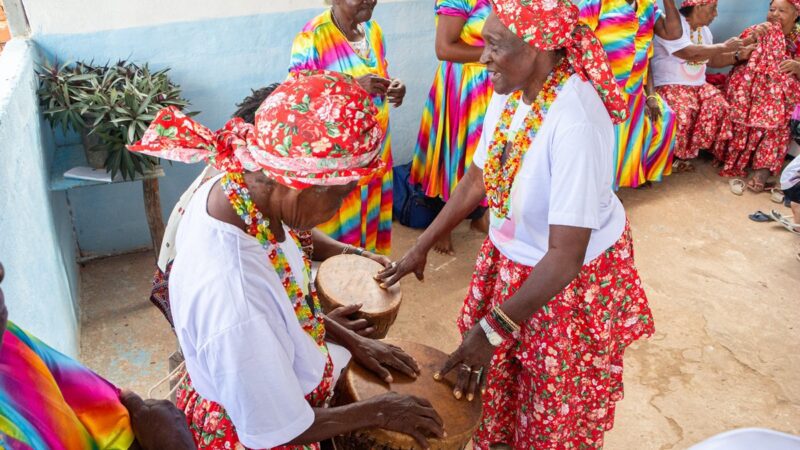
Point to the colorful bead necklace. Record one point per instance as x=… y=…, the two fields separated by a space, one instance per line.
x=258 y=226
x=499 y=174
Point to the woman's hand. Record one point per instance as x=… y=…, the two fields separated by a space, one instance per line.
x=652 y=108
x=157 y=424
x=341 y=315
x=733 y=44
x=413 y=261
x=745 y=52
x=471 y=359
x=380 y=259
x=396 y=92
x=791 y=66
x=410 y=415
x=376 y=356
x=374 y=84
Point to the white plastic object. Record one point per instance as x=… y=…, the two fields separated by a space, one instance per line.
x=750 y=439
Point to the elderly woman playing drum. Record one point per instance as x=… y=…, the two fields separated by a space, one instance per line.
x=260 y=366
x=555 y=298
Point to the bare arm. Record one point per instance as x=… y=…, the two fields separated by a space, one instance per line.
x=449 y=46
x=669 y=28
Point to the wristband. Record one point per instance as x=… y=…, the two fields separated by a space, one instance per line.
x=736 y=56
x=503 y=318
x=653 y=96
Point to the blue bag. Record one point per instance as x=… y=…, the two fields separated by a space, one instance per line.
x=410 y=206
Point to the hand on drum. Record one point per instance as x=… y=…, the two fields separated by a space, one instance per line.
x=380 y=259
x=377 y=356
x=341 y=315
x=413 y=261
x=471 y=361
x=411 y=415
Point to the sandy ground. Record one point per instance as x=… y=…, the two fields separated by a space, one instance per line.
x=724 y=292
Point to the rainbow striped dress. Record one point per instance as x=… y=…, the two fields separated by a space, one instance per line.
x=365 y=218
x=644 y=147
x=50 y=401
x=453 y=117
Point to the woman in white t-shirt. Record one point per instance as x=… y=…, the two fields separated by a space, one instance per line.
x=260 y=361
x=555 y=297
x=679 y=75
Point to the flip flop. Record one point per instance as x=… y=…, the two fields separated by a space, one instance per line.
x=760 y=216
x=737 y=186
x=784 y=220
x=776 y=195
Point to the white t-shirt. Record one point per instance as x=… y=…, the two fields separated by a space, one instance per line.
x=565 y=178
x=791 y=174
x=669 y=69
x=243 y=345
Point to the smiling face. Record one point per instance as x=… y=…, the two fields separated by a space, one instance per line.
x=358 y=10
x=508 y=59
x=784 y=13
x=703 y=15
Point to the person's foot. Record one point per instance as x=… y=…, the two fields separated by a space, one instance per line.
x=681 y=165
x=758 y=182
x=444 y=246
x=481 y=224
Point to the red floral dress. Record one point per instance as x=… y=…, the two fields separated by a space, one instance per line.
x=213 y=429
x=556 y=387
x=762 y=99
x=702 y=118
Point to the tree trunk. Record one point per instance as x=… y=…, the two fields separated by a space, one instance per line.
x=152 y=209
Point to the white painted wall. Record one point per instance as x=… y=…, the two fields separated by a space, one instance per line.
x=86 y=16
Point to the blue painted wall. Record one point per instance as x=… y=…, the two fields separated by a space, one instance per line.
x=218 y=61
x=36 y=243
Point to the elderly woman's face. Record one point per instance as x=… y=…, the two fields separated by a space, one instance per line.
x=508 y=59
x=357 y=10
x=318 y=204
x=705 y=14
x=784 y=13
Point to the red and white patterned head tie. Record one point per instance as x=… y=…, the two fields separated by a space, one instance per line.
x=317 y=128
x=553 y=24
x=698 y=2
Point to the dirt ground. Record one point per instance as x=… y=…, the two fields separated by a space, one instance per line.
x=724 y=292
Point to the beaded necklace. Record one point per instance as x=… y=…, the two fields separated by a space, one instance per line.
x=697 y=39
x=258 y=226
x=500 y=169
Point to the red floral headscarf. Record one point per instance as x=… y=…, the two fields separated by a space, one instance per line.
x=796 y=4
x=702 y=2
x=553 y=24
x=317 y=128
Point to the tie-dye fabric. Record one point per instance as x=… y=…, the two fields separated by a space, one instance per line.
x=365 y=218
x=644 y=149
x=452 y=121
x=49 y=401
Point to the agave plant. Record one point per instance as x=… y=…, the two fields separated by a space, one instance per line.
x=115 y=103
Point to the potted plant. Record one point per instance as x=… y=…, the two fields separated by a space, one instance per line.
x=111 y=106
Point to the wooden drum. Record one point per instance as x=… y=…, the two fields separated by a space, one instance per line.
x=347 y=279
x=461 y=418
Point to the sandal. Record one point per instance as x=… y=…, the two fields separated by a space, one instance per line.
x=760 y=216
x=790 y=226
x=682 y=166
x=737 y=186
x=776 y=195
x=755 y=185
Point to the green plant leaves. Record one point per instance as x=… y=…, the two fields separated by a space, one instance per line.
x=116 y=102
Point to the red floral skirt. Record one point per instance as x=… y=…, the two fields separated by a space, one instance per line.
x=212 y=428
x=557 y=386
x=702 y=116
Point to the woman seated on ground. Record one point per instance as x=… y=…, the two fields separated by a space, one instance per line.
x=762 y=94
x=260 y=366
x=50 y=401
x=679 y=73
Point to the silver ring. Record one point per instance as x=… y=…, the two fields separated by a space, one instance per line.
x=394 y=264
x=477 y=371
x=465 y=367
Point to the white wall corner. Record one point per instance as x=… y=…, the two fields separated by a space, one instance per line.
x=17 y=19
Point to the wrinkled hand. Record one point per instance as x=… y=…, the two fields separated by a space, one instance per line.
x=791 y=66
x=377 y=356
x=374 y=84
x=157 y=424
x=733 y=44
x=396 y=92
x=652 y=109
x=410 y=415
x=343 y=316
x=471 y=359
x=413 y=261
x=745 y=52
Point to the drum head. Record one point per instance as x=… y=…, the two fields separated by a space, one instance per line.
x=347 y=279
x=461 y=418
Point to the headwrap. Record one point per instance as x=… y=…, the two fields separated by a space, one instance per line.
x=687 y=3
x=796 y=4
x=317 y=128
x=553 y=24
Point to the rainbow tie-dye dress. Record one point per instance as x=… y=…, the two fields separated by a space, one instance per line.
x=644 y=147
x=453 y=117
x=49 y=401
x=365 y=218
